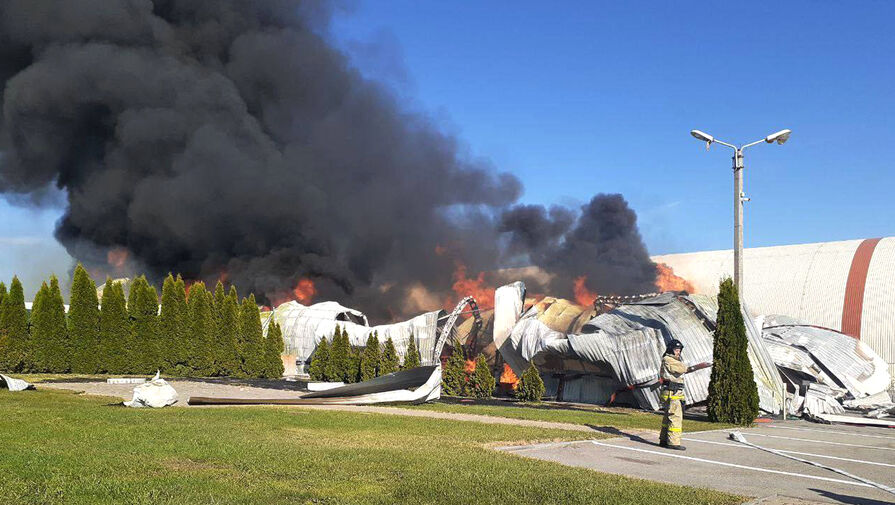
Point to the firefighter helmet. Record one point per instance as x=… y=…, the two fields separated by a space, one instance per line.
x=674 y=344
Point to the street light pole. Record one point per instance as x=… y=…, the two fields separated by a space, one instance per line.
x=738 y=200
x=739 y=197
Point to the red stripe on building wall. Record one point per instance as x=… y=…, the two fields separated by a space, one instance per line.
x=853 y=306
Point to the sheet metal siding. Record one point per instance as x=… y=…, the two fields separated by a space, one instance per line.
x=878 y=320
x=807 y=282
x=823 y=294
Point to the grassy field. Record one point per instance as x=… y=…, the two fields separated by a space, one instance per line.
x=59 y=447
x=592 y=416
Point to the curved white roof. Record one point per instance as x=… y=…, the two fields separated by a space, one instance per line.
x=848 y=286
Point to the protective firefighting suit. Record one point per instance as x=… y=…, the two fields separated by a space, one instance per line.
x=672 y=397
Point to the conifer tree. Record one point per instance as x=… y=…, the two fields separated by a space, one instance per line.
x=369 y=364
x=83 y=323
x=142 y=306
x=388 y=362
x=2 y=295
x=482 y=382
x=339 y=358
x=733 y=395
x=453 y=378
x=251 y=339
x=53 y=330
x=355 y=357
x=14 y=337
x=319 y=367
x=201 y=332
x=114 y=330
x=531 y=386
x=412 y=356
x=171 y=320
x=227 y=357
x=273 y=351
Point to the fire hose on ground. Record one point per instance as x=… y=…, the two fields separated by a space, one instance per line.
x=738 y=437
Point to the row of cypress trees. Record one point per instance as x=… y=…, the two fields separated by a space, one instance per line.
x=194 y=333
x=458 y=380
x=338 y=361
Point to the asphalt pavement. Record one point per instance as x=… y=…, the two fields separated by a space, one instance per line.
x=712 y=460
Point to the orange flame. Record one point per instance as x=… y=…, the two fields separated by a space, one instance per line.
x=508 y=379
x=475 y=287
x=470 y=366
x=440 y=249
x=304 y=291
x=583 y=296
x=117 y=257
x=667 y=280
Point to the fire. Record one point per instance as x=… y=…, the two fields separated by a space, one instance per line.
x=583 y=296
x=304 y=291
x=508 y=379
x=666 y=280
x=117 y=257
x=464 y=286
x=470 y=366
x=440 y=249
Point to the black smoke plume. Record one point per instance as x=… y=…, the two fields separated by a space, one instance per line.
x=233 y=138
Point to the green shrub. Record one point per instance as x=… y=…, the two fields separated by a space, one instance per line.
x=201 y=332
x=143 y=347
x=412 y=356
x=369 y=363
x=15 y=340
x=733 y=395
x=83 y=323
x=482 y=382
x=319 y=368
x=453 y=377
x=251 y=339
x=531 y=387
x=114 y=330
x=388 y=362
x=273 y=352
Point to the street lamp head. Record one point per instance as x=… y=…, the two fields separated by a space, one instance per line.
x=705 y=137
x=779 y=137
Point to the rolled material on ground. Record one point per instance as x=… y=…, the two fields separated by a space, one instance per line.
x=417 y=385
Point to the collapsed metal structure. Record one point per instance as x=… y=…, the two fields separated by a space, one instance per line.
x=610 y=352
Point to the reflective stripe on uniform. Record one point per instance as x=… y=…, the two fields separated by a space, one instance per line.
x=674 y=429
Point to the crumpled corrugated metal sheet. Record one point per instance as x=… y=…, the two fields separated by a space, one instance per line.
x=630 y=340
x=833 y=358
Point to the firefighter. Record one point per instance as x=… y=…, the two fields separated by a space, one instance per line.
x=672 y=395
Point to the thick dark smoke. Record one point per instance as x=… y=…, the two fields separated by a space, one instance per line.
x=207 y=136
x=603 y=245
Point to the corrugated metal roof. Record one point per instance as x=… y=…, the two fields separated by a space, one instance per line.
x=878 y=319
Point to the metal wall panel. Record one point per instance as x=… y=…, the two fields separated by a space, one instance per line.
x=878 y=318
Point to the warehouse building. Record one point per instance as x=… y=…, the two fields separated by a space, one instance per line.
x=848 y=286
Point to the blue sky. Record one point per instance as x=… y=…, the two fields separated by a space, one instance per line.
x=590 y=97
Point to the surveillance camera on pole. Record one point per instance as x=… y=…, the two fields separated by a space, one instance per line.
x=739 y=197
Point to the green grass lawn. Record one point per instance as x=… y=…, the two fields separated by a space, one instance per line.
x=59 y=447
x=594 y=416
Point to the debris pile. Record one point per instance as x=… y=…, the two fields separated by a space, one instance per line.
x=14 y=384
x=156 y=393
x=826 y=372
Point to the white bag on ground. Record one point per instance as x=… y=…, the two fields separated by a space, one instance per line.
x=156 y=393
x=14 y=384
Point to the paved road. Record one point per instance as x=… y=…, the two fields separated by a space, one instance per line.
x=713 y=461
